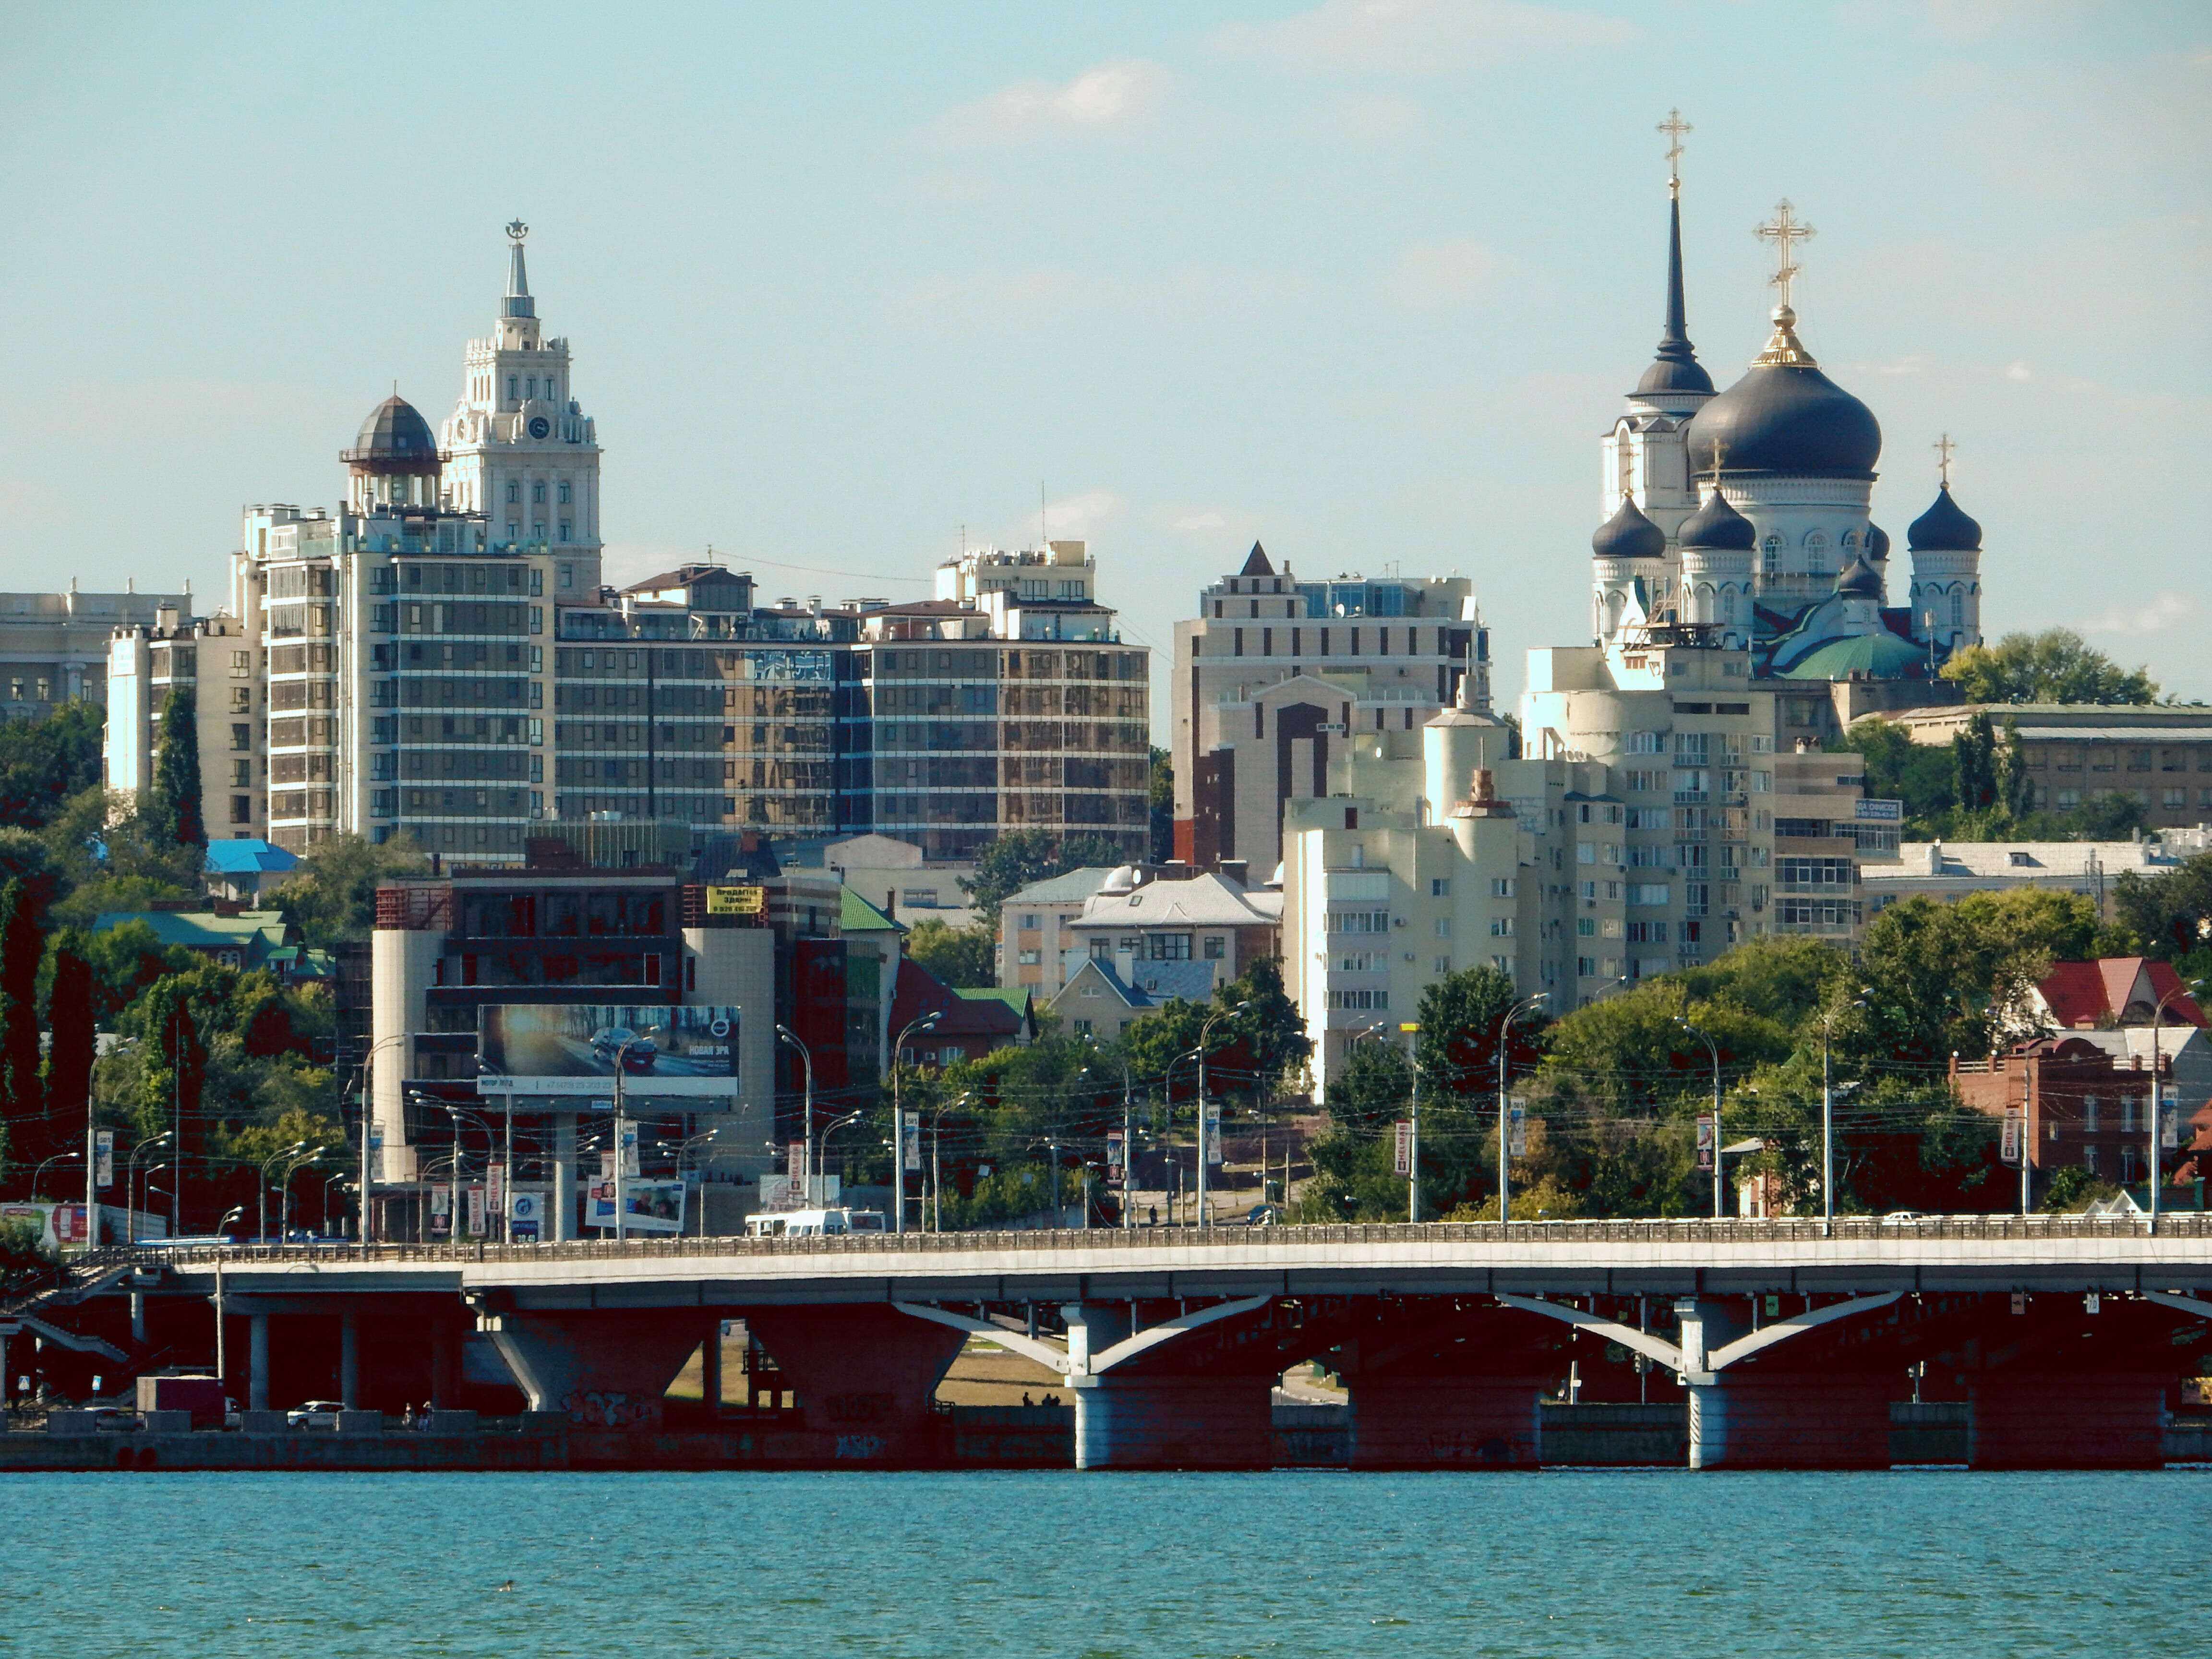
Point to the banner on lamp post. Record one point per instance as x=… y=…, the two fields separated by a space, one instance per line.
x=496 y=1189
x=2009 y=1142
x=1212 y=1117
x=1704 y=1140
x=2169 y=1118
x=1116 y=1167
x=479 y=1214
x=910 y=1141
x=103 y=1158
x=1402 y=1163
x=1517 y=1127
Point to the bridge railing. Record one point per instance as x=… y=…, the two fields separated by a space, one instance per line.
x=1138 y=1243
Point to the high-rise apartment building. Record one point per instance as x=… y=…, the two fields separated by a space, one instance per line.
x=1277 y=671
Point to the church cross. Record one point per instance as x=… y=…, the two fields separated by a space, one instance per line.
x=1943 y=447
x=1785 y=229
x=1674 y=126
x=1720 y=459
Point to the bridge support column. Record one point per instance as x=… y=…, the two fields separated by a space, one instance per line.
x=1133 y=1422
x=1759 y=1419
x=866 y=1377
x=2067 y=1420
x=605 y=1370
x=444 y=1365
x=257 y=1360
x=349 y=1359
x=1431 y=1422
x=710 y=1368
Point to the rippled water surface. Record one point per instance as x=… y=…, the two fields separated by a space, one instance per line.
x=1302 y=1564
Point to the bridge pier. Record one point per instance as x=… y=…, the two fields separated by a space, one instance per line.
x=605 y=1369
x=349 y=1359
x=867 y=1378
x=1129 y=1421
x=2063 y=1420
x=1776 y=1419
x=256 y=1362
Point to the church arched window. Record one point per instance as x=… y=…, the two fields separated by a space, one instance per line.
x=1727 y=604
x=514 y=489
x=538 y=491
x=1958 y=610
x=1816 y=553
x=1769 y=554
x=1850 y=543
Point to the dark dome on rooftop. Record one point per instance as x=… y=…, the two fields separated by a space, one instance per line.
x=1877 y=542
x=1785 y=416
x=1629 y=535
x=1719 y=526
x=1944 y=528
x=1673 y=374
x=1859 y=581
x=395 y=438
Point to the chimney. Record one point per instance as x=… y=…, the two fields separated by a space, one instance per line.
x=1236 y=870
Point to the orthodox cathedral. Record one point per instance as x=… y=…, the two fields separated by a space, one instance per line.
x=1742 y=519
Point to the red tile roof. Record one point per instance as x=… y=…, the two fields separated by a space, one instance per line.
x=2086 y=994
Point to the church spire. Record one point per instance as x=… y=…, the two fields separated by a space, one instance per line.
x=518 y=302
x=1675 y=368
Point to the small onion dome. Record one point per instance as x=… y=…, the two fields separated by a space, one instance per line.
x=1123 y=879
x=1877 y=542
x=1944 y=528
x=1859 y=581
x=394 y=439
x=1629 y=535
x=1718 y=527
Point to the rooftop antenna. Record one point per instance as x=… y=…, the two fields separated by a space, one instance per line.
x=1044 y=535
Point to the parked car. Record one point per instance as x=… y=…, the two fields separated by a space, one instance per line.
x=314 y=1414
x=1905 y=1217
x=113 y=1419
x=607 y=1042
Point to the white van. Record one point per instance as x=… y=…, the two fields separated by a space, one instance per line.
x=813 y=1223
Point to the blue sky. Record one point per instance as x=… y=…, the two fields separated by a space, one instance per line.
x=1363 y=279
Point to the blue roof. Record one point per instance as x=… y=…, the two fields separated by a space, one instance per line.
x=246 y=858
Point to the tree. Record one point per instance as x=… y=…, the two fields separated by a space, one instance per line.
x=1924 y=778
x=2171 y=911
x=1022 y=856
x=1161 y=799
x=44 y=761
x=959 y=956
x=23 y=944
x=177 y=772
x=331 y=896
x=1974 y=759
x=2057 y=665
x=1460 y=1015
x=71 y=1047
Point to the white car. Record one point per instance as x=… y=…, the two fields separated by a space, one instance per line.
x=314 y=1414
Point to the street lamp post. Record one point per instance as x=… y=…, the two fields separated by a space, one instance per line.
x=936 y=1165
x=1505 y=1136
x=1205 y=1139
x=261 y=1209
x=927 y=1023
x=131 y=1179
x=40 y=1174
x=806 y=1108
x=2158 y=1094
x=1828 y=1124
x=367 y=1128
x=1716 y=1054
x=831 y=1128
x=284 y=1187
x=1129 y=1145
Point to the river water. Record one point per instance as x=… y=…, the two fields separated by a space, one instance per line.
x=1304 y=1564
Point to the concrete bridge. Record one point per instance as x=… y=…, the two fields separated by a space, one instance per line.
x=2069 y=1337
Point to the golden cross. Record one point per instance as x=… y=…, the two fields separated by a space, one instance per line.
x=1943 y=447
x=1785 y=229
x=1674 y=126
x=1720 y=459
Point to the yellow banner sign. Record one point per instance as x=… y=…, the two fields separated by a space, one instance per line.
x=736 y=901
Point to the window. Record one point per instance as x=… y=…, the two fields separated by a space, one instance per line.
x=1216 y=948
x=1356 y=921
x=1439 y=886
x=1816 y=554
x=1443 y=927
x=1501 y=887
x=568 y=577
x=1029 y=959
x=564 y=492
x=1958 y=610
x=1501 y=927
x=1362 y=1001
x=1585 y=927
x=1647 y=743
x=241 y=773
x=1082 y=1026
x=538 y=492
x=512 y=384
x=1770 y=556
x=1167 y=947
x=514 y=489
x=241 y=737
x=2173 y=798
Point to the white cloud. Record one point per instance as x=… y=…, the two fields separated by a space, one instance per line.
x=1199 y=522
x=1421 y=36
x=2167 y=610
x=1375 y=118
x=1110 y=98
x=1455 y=272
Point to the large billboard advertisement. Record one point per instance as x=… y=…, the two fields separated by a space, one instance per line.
x=547 y=1048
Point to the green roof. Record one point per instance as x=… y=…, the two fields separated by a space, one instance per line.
x=1016 y=997
x=857 y=915
x=256 y=935
x=1882 y=656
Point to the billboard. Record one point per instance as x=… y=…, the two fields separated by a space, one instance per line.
x=737 y=901
x=648 y=1207
x=554 y=1048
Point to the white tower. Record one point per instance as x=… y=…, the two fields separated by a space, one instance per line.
x=519 y=447
x=1946 y=568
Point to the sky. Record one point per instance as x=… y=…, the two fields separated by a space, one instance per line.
x=1363 y=279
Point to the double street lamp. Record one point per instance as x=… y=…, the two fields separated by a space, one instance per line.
x=1204 y=1136
x=927 y=1023
x=1505 y=1128
x=1715 y=1052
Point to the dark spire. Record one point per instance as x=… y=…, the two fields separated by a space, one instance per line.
x=1256 y=562
x=1675 y=367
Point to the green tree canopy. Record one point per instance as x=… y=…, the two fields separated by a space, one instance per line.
x=1160 y=792
x=45 y=762
x=960 y=956
x=177 y=772
x=2057 y=665
x=331 y=896
x=1022 y=856
x=2171 y=911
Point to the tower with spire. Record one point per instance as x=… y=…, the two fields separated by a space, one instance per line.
x=519 y=448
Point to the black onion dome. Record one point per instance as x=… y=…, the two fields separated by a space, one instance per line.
x=1858 y=580
x=1944 y=528
x=1629 y=535
x=1877 y=542
x=395 y=438
x=1670 y=374
x=1718 y=527
x=1790 y=419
